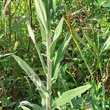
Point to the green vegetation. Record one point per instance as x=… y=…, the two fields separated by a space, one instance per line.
x=54 y=54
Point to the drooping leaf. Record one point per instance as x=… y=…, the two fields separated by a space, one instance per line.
x=58 y=31
x=36 y=46
x=69 y=95
x=78 y=46
x=59 y=56
x=32 y=75
x=34 y=106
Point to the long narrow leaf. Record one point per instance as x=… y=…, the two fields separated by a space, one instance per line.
x=22 y=21
x=69 y=95
x=5 y=7
x=32 y=75
x=58 y=31
x=4 y=55
x=41 y=13
x=80 y=39
x=52 y=7
x=78 y=46
x=1 y=36
x=37 y=48
x=90 y=42
x=106 y=44
x=59 y=56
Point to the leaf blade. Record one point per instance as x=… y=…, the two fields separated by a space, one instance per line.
x=59 y=55
x=58 y=31
x=106 y=44
x=31 y=33
x=32 y=75
x=34 y=106
x=69 y=95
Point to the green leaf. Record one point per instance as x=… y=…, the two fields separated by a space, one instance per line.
x=34 y=106
x=32 y=75
x=58 y=31
x=52 y=7
x=91 y=42
x=22 y=21
x=106 y=5
x=5 y=7
x=80 y=39
x=41 y=13
x=69 y=95
x=4 y=55
x=59 y=56
x=106 y=44
x=1 y=8
x=24 y=108
x=1 y=36
x=105 y=33
x=43 y=34
x=36 y=46
x=67 y=65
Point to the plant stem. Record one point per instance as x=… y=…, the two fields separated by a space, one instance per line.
x=103 y=101
x=10 y=27
x=49 y=67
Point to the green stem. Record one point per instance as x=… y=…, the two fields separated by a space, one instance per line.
x=10 y=27
x=103 y=101
x=103 y=87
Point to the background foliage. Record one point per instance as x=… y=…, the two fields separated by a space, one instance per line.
x=91 y=21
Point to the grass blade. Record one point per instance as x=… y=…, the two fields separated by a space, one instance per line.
x=22 y=21
x=5 y=7
x=91 y=43
x=80 y=39
x=78 y=46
